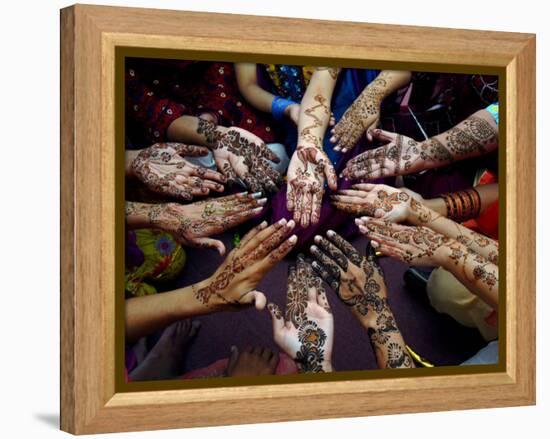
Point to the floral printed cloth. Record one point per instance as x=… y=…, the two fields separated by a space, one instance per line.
x=151 y=255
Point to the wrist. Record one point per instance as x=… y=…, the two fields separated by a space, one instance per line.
x=445 y=254
x=437 y=205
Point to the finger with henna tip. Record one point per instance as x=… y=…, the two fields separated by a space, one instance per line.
x=207 y=174
x=276 y=317
x=330 y=174
x=325 y=275
x=352 y=193
x=253 y=232
x=274 y=240
x=330 y=249
x=383 y=136
x=316 y=203
x=279 y=253
x=347 y=199
x=290 y=198
x=306 y=209
x=322 y=300
x=331 y=266
x=263 y=234
x=190 y=150
x=345 y=247
x=354 y=209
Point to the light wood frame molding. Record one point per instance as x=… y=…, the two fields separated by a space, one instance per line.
x=89 y=38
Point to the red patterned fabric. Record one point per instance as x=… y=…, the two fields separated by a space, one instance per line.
x=160 y=91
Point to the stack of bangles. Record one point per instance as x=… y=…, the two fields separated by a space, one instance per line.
x=278 y=107
x=462 y=205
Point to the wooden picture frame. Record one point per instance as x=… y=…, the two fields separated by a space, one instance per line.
x=90 y=38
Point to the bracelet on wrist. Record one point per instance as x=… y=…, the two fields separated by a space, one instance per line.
x=278 y=107
x=462 y=205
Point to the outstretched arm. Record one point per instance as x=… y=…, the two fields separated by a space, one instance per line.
x=231 y=287
x=364 y=114
x=422 y=246
x=474 y=136
x=310 y=165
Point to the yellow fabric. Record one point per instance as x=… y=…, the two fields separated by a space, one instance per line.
x=164 y=259
x=448 y=296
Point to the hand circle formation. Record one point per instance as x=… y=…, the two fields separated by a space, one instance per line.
x=397 y=223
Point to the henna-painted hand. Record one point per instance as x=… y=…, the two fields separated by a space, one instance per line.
x=193 y=224
x=234 y=282
x=358 y=280
x=378 y=201
x=162 y=168
x=240 y=154
x=306 y=178
x=361 y=117
x=400 y=156
x=306 y=330
x=411 y=244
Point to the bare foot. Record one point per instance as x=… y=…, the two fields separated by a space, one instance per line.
x=252 y=362
x=165 y=359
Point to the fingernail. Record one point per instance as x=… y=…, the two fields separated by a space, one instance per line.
x=313 y=248
x=363 y=229
x=331 y=233
x=317 y=239
x=233 y=348
x=358 y=221
x=262 y=201
x=256 y=195
x=293 y=239
x=291 y=224
x=242 y=194
x=263 y=224
x=282 y=221
x=257 y=209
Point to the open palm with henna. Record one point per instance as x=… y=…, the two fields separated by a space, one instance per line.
x=234 y=282
x=164 y=170
x=240 y=154
x=306 y=175
x=401 y=155
x=378 y=201
x=305 y=332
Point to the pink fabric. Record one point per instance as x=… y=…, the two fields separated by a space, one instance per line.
x=286 y=366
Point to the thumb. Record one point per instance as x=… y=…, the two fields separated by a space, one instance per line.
x=276 y=317
x=209 y=243
x=384 y=136
x=258 y=298
x=371 y=128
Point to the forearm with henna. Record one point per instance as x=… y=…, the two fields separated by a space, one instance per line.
x=195 y=130
x=421 y=215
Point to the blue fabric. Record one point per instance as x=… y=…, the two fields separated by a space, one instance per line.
x=278 y=107
x=493 y=109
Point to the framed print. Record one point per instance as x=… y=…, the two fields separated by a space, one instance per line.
x=320 y=227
